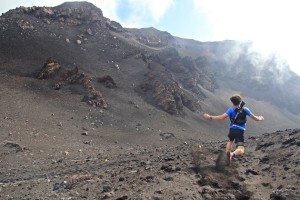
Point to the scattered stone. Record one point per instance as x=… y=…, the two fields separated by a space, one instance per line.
x=89 y=31
x=122 y=198
x=264 y=159
x=278 y=195
x=264 y=145
x=78 y=41
x=166 y=135
x=289 y=141
x=149 y=178
x=13 y=145
x=157 y=195
x=117 y=67
x=25 y=25
x=84 y=133
x=106 y=188
x=207 y=196
x=121 y=179
x=108 y=81
x=168 y=178
x=266 y=168
x=251 y=171
x=167 y=168
x=57 y=186
x=46 y=21
x=76 y=179
x=108 y=195
x=88 y=142
x=266 y=184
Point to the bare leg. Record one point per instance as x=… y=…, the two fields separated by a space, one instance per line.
x=229 y=146
x=239 y=151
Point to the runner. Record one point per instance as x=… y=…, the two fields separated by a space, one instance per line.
x=238 y=117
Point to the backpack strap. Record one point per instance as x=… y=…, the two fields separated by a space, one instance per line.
x=238 y=110
x=232 y=119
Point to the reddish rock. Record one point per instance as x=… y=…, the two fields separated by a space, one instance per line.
x=50 y=68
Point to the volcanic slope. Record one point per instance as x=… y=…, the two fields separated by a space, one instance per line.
x=147 y=66
x=143 y=140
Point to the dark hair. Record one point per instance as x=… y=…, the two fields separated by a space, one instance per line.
x=236 y=99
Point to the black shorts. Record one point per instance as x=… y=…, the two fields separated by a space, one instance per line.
x=237 y=136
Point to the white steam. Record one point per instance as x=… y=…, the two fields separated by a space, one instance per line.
x=262 y=63
x=271 y=24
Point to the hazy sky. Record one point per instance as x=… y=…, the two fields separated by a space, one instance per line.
x=271 y=24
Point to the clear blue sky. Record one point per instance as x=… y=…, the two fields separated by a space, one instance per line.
x=271 y=24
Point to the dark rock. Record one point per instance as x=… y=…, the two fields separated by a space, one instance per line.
x=278 y=195
x=266 y=184
x=169 y=158
x=122 y=198
x=264 y=159
x=266 y=168
x=56 y=186
x=50 y=68
x=235 y=185
x=290 y=141
x=114 y=26
x=121 y=179
x=106 y=188
x=108 y=81
x=264 y=145
x=169 y=178
x=84 y=133
x=251 y=171
x=149 y=178
x=167 y=168
x=166 y=135
x=157 y=195
x=87 y=142
x=13 y=145
x=215 y=185
x=89 y=31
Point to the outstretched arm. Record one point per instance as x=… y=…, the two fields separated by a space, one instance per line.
x=257 y=118
x=207 y=116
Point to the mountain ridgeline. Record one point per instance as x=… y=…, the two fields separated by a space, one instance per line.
x=174 y=75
